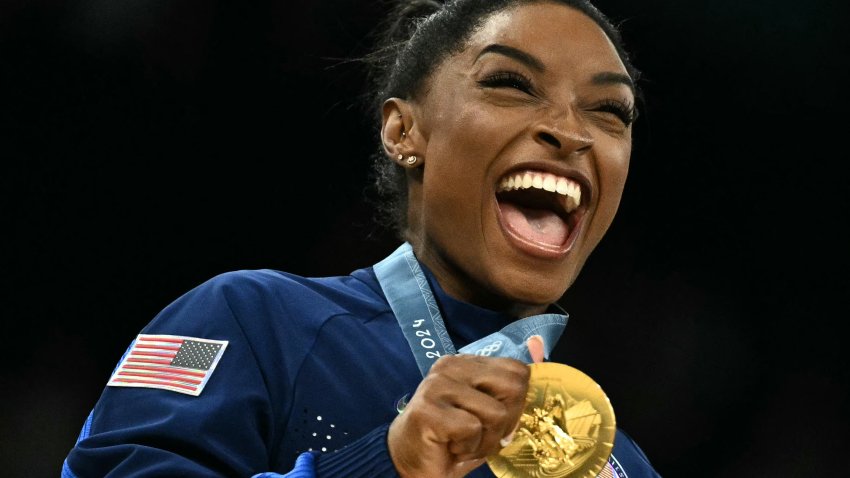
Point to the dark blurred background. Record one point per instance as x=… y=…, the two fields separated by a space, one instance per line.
x=148 y=145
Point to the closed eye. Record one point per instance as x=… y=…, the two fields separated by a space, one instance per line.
x=624 y=111
x=507 y=79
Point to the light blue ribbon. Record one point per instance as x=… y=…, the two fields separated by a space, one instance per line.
x=410 y=297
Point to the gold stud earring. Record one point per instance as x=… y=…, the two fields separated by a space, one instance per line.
x=411 y=160
x=400 y=156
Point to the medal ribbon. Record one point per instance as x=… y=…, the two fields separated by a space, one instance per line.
x=415 y=308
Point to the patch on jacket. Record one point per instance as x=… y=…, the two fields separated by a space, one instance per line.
x=170 y=362
x=612 y=469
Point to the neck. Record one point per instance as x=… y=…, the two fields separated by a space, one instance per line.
x=461 y=286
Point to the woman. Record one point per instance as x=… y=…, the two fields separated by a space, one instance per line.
x=507 y=125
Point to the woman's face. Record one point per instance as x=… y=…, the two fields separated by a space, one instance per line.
x=525 y=141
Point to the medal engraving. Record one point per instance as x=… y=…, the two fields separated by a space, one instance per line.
x=567 y=428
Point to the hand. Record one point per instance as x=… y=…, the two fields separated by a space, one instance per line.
x=459 y=413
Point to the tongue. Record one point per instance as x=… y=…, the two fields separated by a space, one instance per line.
x=536 y=225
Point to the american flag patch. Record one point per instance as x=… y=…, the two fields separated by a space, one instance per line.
x=170 y=362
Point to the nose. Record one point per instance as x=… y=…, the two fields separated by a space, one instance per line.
x=565 y=132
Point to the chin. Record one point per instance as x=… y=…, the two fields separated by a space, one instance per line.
x=531 y=291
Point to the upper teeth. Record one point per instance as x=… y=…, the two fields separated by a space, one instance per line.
x=548 y=182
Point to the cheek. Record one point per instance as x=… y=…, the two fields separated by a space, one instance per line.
x=613 y=170
x=457 y=197
x=452 y=192
x=613 y=167
x=461 y=150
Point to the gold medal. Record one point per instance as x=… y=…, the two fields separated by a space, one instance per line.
x=567 y=428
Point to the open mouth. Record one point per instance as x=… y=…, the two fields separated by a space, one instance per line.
x=539 y=209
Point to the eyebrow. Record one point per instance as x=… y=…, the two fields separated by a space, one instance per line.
x=529 y=60
x=604 y=78
x=609 y=78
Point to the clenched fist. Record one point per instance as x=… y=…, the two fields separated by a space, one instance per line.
x=459 y=414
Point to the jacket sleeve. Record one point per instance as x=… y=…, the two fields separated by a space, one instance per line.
x=143 y=430
x=631 y=458
x=232 y=428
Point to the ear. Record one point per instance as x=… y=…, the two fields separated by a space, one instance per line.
x=397 y=131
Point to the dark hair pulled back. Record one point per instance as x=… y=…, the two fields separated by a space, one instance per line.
x=415 y=38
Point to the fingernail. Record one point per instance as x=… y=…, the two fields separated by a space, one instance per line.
x=536 y=348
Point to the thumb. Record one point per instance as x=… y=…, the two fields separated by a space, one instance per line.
x=536 y=348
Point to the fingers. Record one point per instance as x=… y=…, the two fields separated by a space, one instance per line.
x=464 y=467
x=504 y=379
x=461 y=410
x=490 y=390
x=477 y=431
